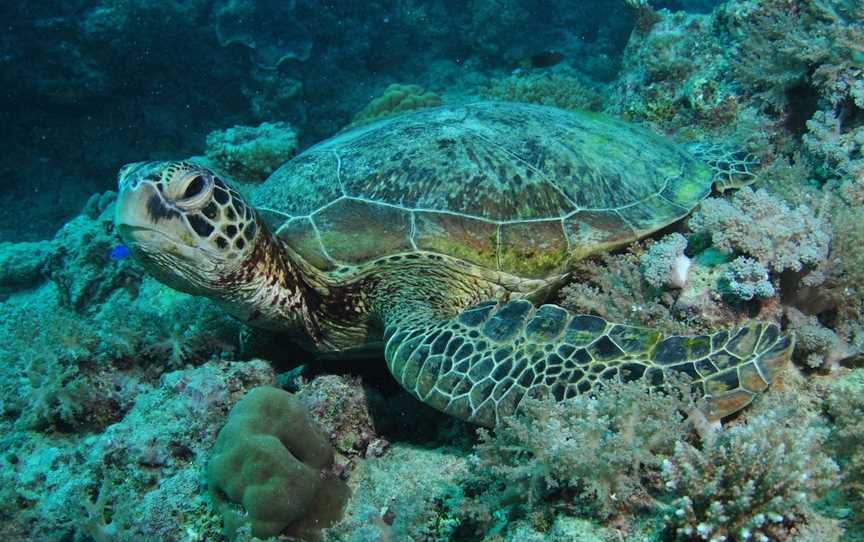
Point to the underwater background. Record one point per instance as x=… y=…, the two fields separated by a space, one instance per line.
x=114 y=387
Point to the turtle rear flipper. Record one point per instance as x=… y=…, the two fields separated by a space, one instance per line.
x=479 y=365
x=733 y=168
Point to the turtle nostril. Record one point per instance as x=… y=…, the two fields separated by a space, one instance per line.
x=195 y=186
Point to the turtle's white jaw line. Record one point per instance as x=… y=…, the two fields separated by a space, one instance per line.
x=173 y=263
x=158 y=239
x=142 y=213
x=143 y=242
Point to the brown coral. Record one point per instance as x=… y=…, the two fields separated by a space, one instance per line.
x=396 y=99
x=555 y=89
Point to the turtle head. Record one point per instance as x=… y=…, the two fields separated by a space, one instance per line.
x=184 y=224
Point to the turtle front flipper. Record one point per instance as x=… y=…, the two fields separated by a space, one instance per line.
x=479 y=365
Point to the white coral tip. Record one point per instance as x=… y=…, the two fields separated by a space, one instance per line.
x=680 y=270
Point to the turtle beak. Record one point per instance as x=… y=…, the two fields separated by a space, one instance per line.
x=142 y=215
x=133 y=210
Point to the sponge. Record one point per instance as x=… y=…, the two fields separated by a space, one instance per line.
x=268 y=468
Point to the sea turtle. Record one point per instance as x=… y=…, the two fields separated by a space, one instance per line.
x=434 y=237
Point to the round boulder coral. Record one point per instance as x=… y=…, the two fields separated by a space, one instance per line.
x=271 y=460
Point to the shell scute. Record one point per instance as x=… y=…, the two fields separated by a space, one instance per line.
x=302 y=237
x=464 y=237
x=302 y=185
x=651 y=213
x=357 y=231
x=516 y=187
x=592 y=231
x=533 y=249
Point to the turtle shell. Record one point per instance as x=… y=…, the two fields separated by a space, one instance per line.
x=521 y=188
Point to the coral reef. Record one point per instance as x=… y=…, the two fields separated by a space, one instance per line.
x=249 y=153
x=755 y=481
x=408 y=494
x=77 y=359
x=272 y=32
x=757 y=224
x=113 y=387
x=80 y=263
x=558 y=89
x=673 y=76
x=272 y=459
x=273 y=95
x=395 y=99
x=348 y=421
x=139 y=478
x=22 y=264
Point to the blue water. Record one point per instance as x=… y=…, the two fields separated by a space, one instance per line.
x=119 y=370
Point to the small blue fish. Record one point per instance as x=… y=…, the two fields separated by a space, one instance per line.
x=120 y=252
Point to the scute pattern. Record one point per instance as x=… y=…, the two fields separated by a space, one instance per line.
x=302 y=235
x=533 y=249
x=472 y=240
x=490 y=182
x=302 y=185
x=435 y=166
x=483 y=363
x=346 y=230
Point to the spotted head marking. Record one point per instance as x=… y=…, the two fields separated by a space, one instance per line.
x=184 y=224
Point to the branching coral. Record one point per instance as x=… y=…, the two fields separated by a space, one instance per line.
x=845 y=270
x=778 y=43
x=746 y=278
x=612 y=286
x=761 y=226
x=629 y=451
x=755 y=481
x=844 y=404
x=836 y=141
x=95 y=524
x=753 y=71
x=816 y=345
x=664 y=264
x=596 y=448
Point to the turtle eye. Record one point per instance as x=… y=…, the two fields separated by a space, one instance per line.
x=194 y=188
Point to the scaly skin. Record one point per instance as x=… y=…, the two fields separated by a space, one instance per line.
x=463 y=338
